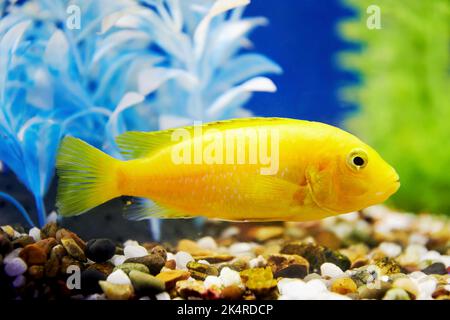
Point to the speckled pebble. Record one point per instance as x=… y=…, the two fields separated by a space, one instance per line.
x=257 y=262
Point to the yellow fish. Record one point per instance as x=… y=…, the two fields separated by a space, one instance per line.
x=256 y=169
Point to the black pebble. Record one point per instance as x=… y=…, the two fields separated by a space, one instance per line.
x=435 y=268
x=100 y=250
x=90 y=279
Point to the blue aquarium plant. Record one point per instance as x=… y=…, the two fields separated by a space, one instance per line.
x=123 y=65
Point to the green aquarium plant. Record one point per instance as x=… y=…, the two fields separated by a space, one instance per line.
x=403 y=95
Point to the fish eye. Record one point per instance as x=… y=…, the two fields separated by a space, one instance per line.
x=357 y=159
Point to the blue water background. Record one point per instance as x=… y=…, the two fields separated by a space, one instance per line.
x=302 y=37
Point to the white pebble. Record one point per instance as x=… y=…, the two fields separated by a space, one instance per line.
x=170 y=256
x=240 y=248
x=390 y=249
x=432 y=255
x=426 y=288
x=10 y=256
x=350 y=217
x=416 y=250
x=316 y=285
x=162 y=296
x=207 y=243
x=417 y=238
x=134 y=251
x=331 y=270
x=446 y=260
x=229 y=277
x=182 y=258
x=287 y=284
x=35 y=233
x=315 y=289
x=52 y=217
x=203 y=262
x=117 y=259
x=417 y=275
x=118 y=277
x=19 y=281
x=212 y=281
x=257 y=262
x=230 y=232
x=15 y=267
x=131 y=243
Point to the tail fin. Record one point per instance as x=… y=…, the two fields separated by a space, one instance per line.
x=86 y=177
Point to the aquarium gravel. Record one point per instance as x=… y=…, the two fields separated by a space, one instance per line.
x=373 y=254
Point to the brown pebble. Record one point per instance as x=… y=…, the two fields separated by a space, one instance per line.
x=73 y=249
x=36 y=253
x=36 y=272
x=159 y=250
x=188 y=288
x=22 y=242
x=49 y=230
x=5 y=243
x=344 y=286
x=171 y=264
x=288 y=265
x=232 y=292
x=170 y=278
x=359 y=263
x=105 y=267
x=328 y=239
x=64 y=234
x=154 y=262
x=192 y=247
x=264 y=233
x=440 y=291
x=68 y=261
x=215 y=258
x=200 y=271
x=53 y=264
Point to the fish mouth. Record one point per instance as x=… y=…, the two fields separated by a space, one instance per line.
x=390 y=190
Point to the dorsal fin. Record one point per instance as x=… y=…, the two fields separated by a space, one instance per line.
x=136 y=144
